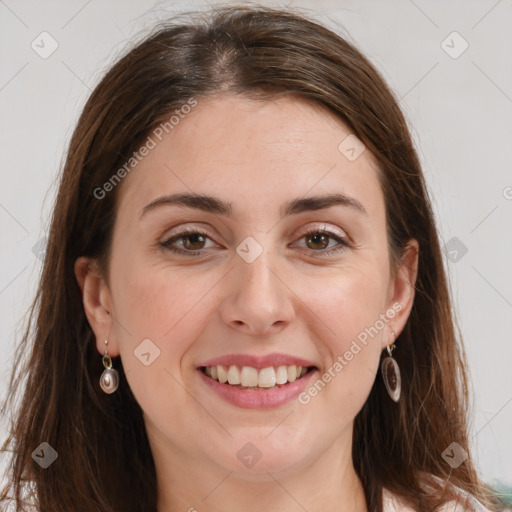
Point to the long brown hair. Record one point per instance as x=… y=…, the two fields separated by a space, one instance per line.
x=104 y=459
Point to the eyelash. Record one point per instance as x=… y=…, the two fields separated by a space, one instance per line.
x=343 y=242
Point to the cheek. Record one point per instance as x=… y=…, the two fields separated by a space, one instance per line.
x=347 y=301
x=167 y=307
x=170 y=308
x=349 y=309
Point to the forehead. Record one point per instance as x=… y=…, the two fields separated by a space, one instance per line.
x=255 y=154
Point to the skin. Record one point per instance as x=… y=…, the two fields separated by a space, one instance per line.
x=292 y=299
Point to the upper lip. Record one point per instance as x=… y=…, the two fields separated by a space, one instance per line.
x=257 y=361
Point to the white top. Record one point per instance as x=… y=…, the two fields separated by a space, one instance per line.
x=392 y=503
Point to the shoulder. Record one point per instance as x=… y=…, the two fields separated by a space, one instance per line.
x=462 y=502
x=393 y=503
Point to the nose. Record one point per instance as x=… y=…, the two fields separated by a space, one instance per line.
x=259 y=301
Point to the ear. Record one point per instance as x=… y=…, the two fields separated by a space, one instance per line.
x=97 y=304
x=402 y=288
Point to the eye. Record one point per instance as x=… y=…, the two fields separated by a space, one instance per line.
x=190 y=242
x=323 y=241
x=193 y=242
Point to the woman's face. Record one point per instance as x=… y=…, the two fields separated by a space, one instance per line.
x=281 y=262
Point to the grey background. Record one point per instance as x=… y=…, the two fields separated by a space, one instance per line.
x=459 y=110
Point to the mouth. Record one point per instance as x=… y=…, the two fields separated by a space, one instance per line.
x=248 y=387
x=254 y=379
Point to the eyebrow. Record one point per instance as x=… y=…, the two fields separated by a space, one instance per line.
x=213 y=205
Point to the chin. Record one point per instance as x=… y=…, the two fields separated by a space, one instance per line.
x=266 y=451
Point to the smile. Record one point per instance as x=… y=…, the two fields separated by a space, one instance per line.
x=270 y=383
x=248 y=377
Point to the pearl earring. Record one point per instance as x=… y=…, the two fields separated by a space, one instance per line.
x=391 y=373
x=109 y=380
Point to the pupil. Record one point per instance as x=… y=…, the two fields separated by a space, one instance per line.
x=192 y=240
x=320 y=240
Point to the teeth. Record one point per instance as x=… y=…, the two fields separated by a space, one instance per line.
x=250 y=377
x=281 y=375
x=233 y=375
x=266 y=378
x=222 y=374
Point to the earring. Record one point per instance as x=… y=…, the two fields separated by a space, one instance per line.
x=391 y=373
x=109 y=380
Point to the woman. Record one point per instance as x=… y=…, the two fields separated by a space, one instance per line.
x=243 y=302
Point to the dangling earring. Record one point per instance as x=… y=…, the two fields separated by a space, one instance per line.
x=391 y=373
x=109 y=380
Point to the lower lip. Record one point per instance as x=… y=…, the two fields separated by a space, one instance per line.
x=264 y=399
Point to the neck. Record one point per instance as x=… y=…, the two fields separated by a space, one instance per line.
x=328 y=483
